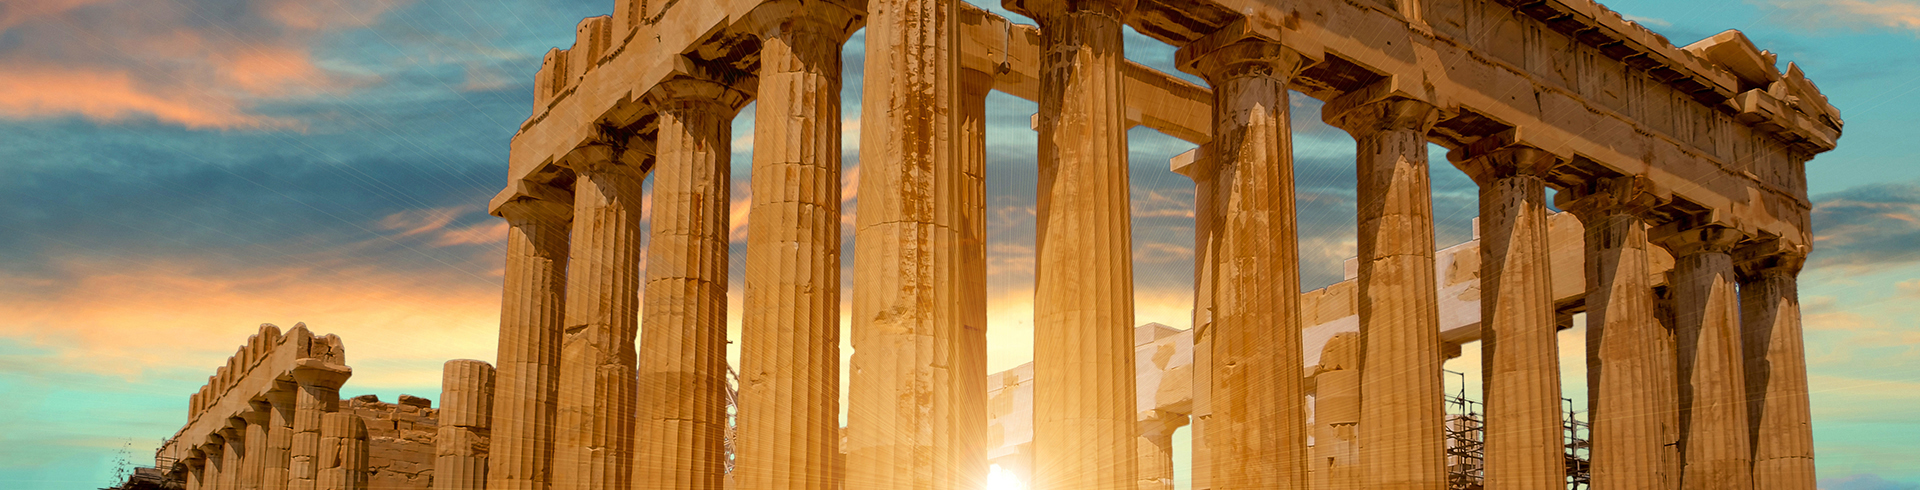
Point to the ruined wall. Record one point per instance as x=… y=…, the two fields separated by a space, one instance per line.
x=400 y=440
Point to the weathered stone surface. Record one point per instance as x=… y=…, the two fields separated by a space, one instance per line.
x=789 y=419
x=1779 y=418
x=1336 y=415
x=532 y=312
x=1630 y=362
x=1715 y=447
x=466 y=413
x=1084 y=430
x=1520 y=358
x=318 y=395
x=906 y=328
x=683 y=370
x=1401 y=414
x=1257 y=429
x=593 y=438
x=970 y=375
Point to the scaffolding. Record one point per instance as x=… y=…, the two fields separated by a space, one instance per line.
x=1466 y=441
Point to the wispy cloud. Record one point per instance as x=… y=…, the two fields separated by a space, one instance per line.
x=1886 y=14
x=1874 y=225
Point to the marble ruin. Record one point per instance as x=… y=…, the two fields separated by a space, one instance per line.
x=1681 y=168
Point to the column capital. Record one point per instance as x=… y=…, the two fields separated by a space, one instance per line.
x=1769 y=257
x=1041 y=9
x=1610 y=196
x=1243 y=48
x=697 y=86
x=1710 y=238
x=530 y=209
x=609 y=151
x=1383 y=106
x=833 y=19
x=1495 y=158
x=315 y=372
x=1160 y=423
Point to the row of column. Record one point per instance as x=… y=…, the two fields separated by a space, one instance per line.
x=567 y=361
x=288 y=441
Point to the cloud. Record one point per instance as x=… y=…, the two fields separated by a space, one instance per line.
x=1868 y=226
x=201 y=64
x=1886 y=14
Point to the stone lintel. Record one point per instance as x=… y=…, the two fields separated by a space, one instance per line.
x=1038 y=9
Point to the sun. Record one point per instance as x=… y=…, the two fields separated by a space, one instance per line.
x=1000 y=479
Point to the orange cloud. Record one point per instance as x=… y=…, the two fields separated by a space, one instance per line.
x=1894 y=14
x=339 y=14
x=114 y=96
x=169 y=313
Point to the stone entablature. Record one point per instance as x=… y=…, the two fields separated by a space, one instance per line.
x=264 y=364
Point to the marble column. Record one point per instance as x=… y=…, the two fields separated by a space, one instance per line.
x=231 y=452
x=906 y=324
x=1519 y=356
x=254 y=461
x=1206 y=251
x=279 y=448
x=970 y=376
x=1780 y=421
x=1336 y=415
x=343 y=452
x=1402 y=443
x=195 y=468
x=789 y=419
x=318 y=394
x=216 y=451
x=1257 y=431
x=466 y=412
x=1155 y=449
x=1083 y=434
x=593 y=440
x=532 y=309
x=683 y=370
x=1715 y=450
x=1630 y=379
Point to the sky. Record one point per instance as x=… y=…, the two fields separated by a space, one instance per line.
x=178 y=172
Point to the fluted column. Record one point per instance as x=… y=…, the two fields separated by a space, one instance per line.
x=532 y=309
x=1336 y=415
x=1630 y=380
x=594 y=439
x=318 y=394
x=232 y=455
x=466 y=411
x=1780 y=420
x=906 y=327
x=1519 y=357
x=789 y=420
x=279 y=447
x=216 y=451
x=343 y=452
x=1155 y=449
x=683 y=370
x=1083 y=280
x=196 y=467
x=1401 y=441
x=1257 y=432
x=1714 y=446
x=254 y=460
x=970 y=375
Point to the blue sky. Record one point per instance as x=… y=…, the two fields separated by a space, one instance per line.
x=180 y=171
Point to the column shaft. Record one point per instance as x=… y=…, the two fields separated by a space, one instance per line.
x=594 y=440
x=1083 y=366
x=906 y=326
x=1336 y=415
x=466 y=411
x=1630 y=379
x=1714 y=445
x=789 y=422
x=318 y=394
x=196 y=468
x=279 y=446
x=1520 y=359
x=683 y=378
x=1401 y=440
x=210 y=478
x=254 y=461
x=223 y=465
x=532 y=312
x=971 y=375
x=1776 y=373
x=1156 y=461
x=1257 y=431
x=343 y=453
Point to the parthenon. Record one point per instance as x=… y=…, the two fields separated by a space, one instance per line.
x=1681 y=171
